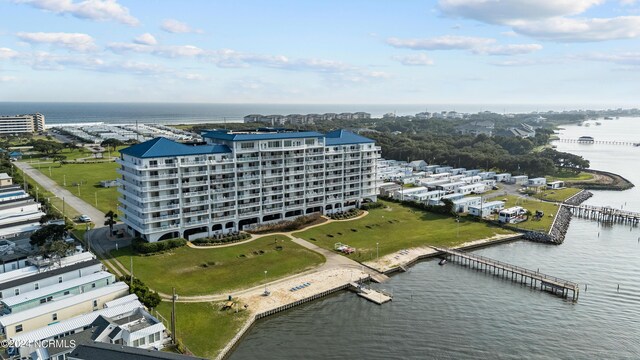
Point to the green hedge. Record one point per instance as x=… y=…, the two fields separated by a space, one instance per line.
x=372 y=205
x=222 y=240
x=143 y=247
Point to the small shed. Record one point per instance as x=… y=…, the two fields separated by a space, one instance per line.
x=15 y=155
x=108 y=183
x=555 y=185
x=520 y=179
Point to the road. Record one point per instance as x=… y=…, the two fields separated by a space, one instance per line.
x=71 y=200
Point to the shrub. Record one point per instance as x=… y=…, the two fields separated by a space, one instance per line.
x=372 y=205
x=288 y=225
x=143 y=247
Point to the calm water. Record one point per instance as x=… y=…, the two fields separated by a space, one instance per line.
x=450 y=312
x=166 y=113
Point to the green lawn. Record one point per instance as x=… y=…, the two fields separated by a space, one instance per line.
x=532 y=205
x=398 y=227
x=217 y=270
x=89 y=177
x=571 y=176
x=203 y=327
x=559 y=195
x=56 y=202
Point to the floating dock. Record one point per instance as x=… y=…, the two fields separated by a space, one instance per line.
x=376 y=296
x=524 y=276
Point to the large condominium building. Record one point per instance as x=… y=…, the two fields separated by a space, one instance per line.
x=241 y=179
x=29 y=123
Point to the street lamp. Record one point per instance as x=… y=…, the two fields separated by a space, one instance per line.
x=377 y=251
x=265 y=284
x=458 y=226
x=78 y=189
x=64 y=179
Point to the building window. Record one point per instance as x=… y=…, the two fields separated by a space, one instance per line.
x=142 y=341
x=66 y=293
x=0 y=294
x=247 y=145
x=93 y=285
x=136 y=343
x=95 y=303
x=16 y=291
x=19 y=328
x=310 y=141
x=54 y=317
x=150 y=338
x=59 y=279
x=36 y=286
x=157 y=336
x=42 y=301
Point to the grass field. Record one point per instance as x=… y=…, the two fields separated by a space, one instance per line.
x=571 y=176
x=216 y=270
x=203 y=327
x=89 y=177
x=398 y=227
x=559 y=195
x=532 y=205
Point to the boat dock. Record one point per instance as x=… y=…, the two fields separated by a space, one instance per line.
x=605 y=214
x=376 y=296
x=524 y=276
x=602 y=142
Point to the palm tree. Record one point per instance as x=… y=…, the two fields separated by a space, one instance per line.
x=111 y=220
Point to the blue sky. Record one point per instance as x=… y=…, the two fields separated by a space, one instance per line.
x=375 y=51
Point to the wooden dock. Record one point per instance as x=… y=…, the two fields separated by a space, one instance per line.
x=524 y=276
x=601 y=142
x=605 y=214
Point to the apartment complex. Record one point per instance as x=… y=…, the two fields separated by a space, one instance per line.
x=241 y=179
x=17 y=124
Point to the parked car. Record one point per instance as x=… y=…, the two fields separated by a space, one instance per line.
x=84 y=218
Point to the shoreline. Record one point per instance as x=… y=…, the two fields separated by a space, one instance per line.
x=337 y=282
x=618 y=182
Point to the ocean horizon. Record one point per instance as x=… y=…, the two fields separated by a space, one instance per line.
x=186 y=113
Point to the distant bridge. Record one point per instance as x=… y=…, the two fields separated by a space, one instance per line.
x=600 y=142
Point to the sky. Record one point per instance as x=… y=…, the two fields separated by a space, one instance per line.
x=322 y=52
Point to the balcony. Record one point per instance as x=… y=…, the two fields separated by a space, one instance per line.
x=194 y=183
x=164 y=228
x=194 y=173
x=272 y=209
x=194 y=163
x=223 y=218
x=161 y=218
x=272 y=175
x=246 y=159
x=222 y=171
x=223 y=208
x=195 y=213
x=196 y=222
x=194 y=193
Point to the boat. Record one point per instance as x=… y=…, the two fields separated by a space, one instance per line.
x=442 y=262
x=608 y=118
x=598 y=123
x=586 y=139
x=636 y=144
x=587 y=125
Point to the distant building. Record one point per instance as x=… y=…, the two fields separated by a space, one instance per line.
x=523 y=131
x=476 y=128
x=19 y=124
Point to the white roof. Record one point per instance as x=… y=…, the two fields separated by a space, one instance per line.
x=520 y=177
x=457 y=183
x=4 y=176
x=61 y=304
x=18 y=273
x=503 y=174
x=490 y=204
x=514 y=208
x=78 y=322
x=471 y=186
x=413 y=189
x=466 y=200
x=122 y=300
x=44 y=291
x=538 y=178
x=556 y=182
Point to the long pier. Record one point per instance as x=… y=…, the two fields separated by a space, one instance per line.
x=524 y=276
x=600 y=142
x=605 y=214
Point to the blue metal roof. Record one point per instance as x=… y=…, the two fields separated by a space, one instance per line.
x=163 y=147
x=225 y=135
x=344 y=137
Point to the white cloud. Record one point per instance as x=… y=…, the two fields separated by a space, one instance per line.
x=414 y=60
x=98 y=10
x=625 y=58
x=145 y=39
x=514 y=49
x=526 y=62
x=477 y=45
x=448 y=42
x=170 y=51
x=7 y=78
x=177 y=27
x=581 y=30
x=6 y=53
x=506 y=11
x=73 y=41
x=192 y=77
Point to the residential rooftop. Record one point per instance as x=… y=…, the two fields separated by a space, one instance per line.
x=103 y=351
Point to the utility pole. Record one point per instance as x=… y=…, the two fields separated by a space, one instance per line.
x=63 y=216
x=173 y=317
x=96 y=194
